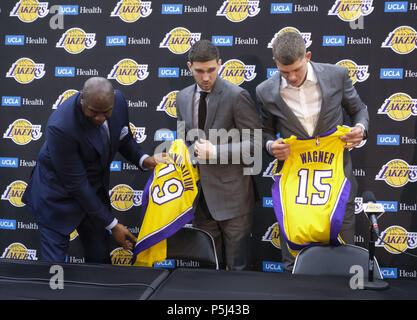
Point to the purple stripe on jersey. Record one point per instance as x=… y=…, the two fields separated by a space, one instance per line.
x=164 y=233
x=339 y=212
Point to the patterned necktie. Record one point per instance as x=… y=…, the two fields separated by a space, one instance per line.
x=202 y=110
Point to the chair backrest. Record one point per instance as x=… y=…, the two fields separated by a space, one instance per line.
x=334 y=260
x=193 y=247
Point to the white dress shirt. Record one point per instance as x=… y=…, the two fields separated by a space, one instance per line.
x=305 y=100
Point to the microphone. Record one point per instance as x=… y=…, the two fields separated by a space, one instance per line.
x=372 y=209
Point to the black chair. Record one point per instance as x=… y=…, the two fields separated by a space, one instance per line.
x=192 y=247
x=333 y=260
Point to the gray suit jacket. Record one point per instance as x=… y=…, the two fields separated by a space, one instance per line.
x=228 y=192
x=337 y=93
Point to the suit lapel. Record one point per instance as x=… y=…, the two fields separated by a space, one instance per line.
x=297 y=127
x=188 y=108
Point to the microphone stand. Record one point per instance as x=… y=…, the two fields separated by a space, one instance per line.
x=371 y=283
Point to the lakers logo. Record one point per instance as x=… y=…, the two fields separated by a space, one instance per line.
x=357 y=73
x=271 y=170
x=14 y=193
x=123 y=197
x=18 y=251
x=29 y=10
x=238 y=10
x=76 y=40
x=402 y=40
x=168 y=104
x=25 y=70
x=121 y=257
x=398 y=240
x=397 y=173
x=128 y=71
x=62 y=97
x=350 y=10
x=272 y=235
x=138 y=133
x=21 y=131
x=399 y=106
x=179 y=40
x=306 y=36
x=235 y=71
x=131 y=10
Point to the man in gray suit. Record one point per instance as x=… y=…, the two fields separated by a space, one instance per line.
x=307 y=99
x=221 y=111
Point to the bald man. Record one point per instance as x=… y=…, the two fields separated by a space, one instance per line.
x=69 y=187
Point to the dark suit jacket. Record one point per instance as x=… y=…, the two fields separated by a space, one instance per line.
x=338 y=93
x=228 y=192
x=71 y=170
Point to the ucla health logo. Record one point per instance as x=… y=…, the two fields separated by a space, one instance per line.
x=357 y=73
x=350 y=10
x=128 y=71
x=21 y=131
x=25 y=70
x=396 y=6
x=397 y=173
x=123 y=197
x=29 y=10
x=272 y=235
x=306 y=36
x=402 y=40
x=11 y=101
x=399 y=106
x=168 y=104
x=63 y=96
x=14 y=193
x=14 y=40
x=19 y=251
x=76 y=40
x=235 y=71
x=9 y=162
x=138 y=133
x=238 y=10
x=132 y=10
x=398 y=239
x=179 y=40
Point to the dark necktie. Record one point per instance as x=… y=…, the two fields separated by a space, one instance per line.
x=202 y=110
x=106 y=143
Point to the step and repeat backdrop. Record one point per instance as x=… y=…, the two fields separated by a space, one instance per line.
x=48 y=50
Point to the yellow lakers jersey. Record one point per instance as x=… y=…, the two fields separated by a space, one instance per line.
x=311 y=191
x=167 y=204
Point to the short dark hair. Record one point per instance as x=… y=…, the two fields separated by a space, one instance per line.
x=203 y=51
x=288 y=47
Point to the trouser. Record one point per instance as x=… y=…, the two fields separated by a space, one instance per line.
x=347 y=232
x=93 y=236
x=231 y=237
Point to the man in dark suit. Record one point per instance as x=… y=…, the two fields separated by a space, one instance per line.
x=69 y=187
x=306 y=99
x=212 y=105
